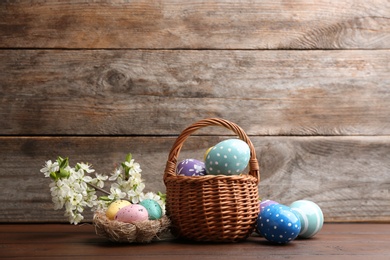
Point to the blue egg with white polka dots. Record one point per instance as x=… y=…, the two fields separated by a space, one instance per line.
x=278 y=224
x=229 y=157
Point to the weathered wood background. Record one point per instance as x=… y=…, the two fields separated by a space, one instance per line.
x=93 y=80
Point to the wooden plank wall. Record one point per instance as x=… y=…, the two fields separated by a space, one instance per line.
x=93 y=80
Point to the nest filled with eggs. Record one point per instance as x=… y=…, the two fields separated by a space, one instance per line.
x=219 y=207
x=131 y=223
x=137 y=232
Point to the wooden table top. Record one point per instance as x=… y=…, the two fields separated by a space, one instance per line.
x=65 y=241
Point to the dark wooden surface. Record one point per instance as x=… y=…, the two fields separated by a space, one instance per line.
x=62 y=241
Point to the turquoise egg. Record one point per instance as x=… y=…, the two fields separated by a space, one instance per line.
x=229 y=157
x=311 y=216
x=153 y=208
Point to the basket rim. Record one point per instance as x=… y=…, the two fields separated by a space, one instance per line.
x=170 y=168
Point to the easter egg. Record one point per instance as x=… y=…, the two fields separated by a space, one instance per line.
x=278 y=224
x=310 y=215
x=114 y=207
x=132 y=213
x=263 y=204
x=266 y=203
x=190 y=167
x=207 y=152
x=153 y=208
x=229 y=157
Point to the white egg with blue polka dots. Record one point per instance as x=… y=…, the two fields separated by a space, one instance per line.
x=229 y=157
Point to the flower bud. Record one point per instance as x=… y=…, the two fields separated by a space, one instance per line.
x=63 y=173
x=105 y=198
x=53 y=176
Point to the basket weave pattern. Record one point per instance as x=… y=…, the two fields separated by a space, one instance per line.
x=215 y=208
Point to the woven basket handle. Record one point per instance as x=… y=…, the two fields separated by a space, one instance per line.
x=170 y=169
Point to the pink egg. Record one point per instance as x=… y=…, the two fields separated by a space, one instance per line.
x=132 y=213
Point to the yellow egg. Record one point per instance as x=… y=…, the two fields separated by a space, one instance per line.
x=207 y=152
x=115 y=207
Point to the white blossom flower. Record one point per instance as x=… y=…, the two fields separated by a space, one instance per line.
x=99 y=180
x=101 y=205
x=87 y=179
x=135 y=193
x=76 y=175
x=134 y=167
x=49 y=167
x=59 y=191
x=124 y=185
x=74 y=218
x=130 y=164
x=117 y=172
x=116 y=193
x=150 y=196
x=85 y=167
x=135 y=178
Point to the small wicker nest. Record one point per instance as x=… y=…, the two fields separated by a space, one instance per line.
x=214 y=208
x=139 y=232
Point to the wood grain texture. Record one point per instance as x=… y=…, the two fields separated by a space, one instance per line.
x=218 y=24
x=115 y=92
x=347 y=176
x=94 y=80
x=335 y=241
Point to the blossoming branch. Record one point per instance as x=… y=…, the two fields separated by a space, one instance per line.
x=74 y=189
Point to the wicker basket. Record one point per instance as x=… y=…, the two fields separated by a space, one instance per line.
x=214 y=208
